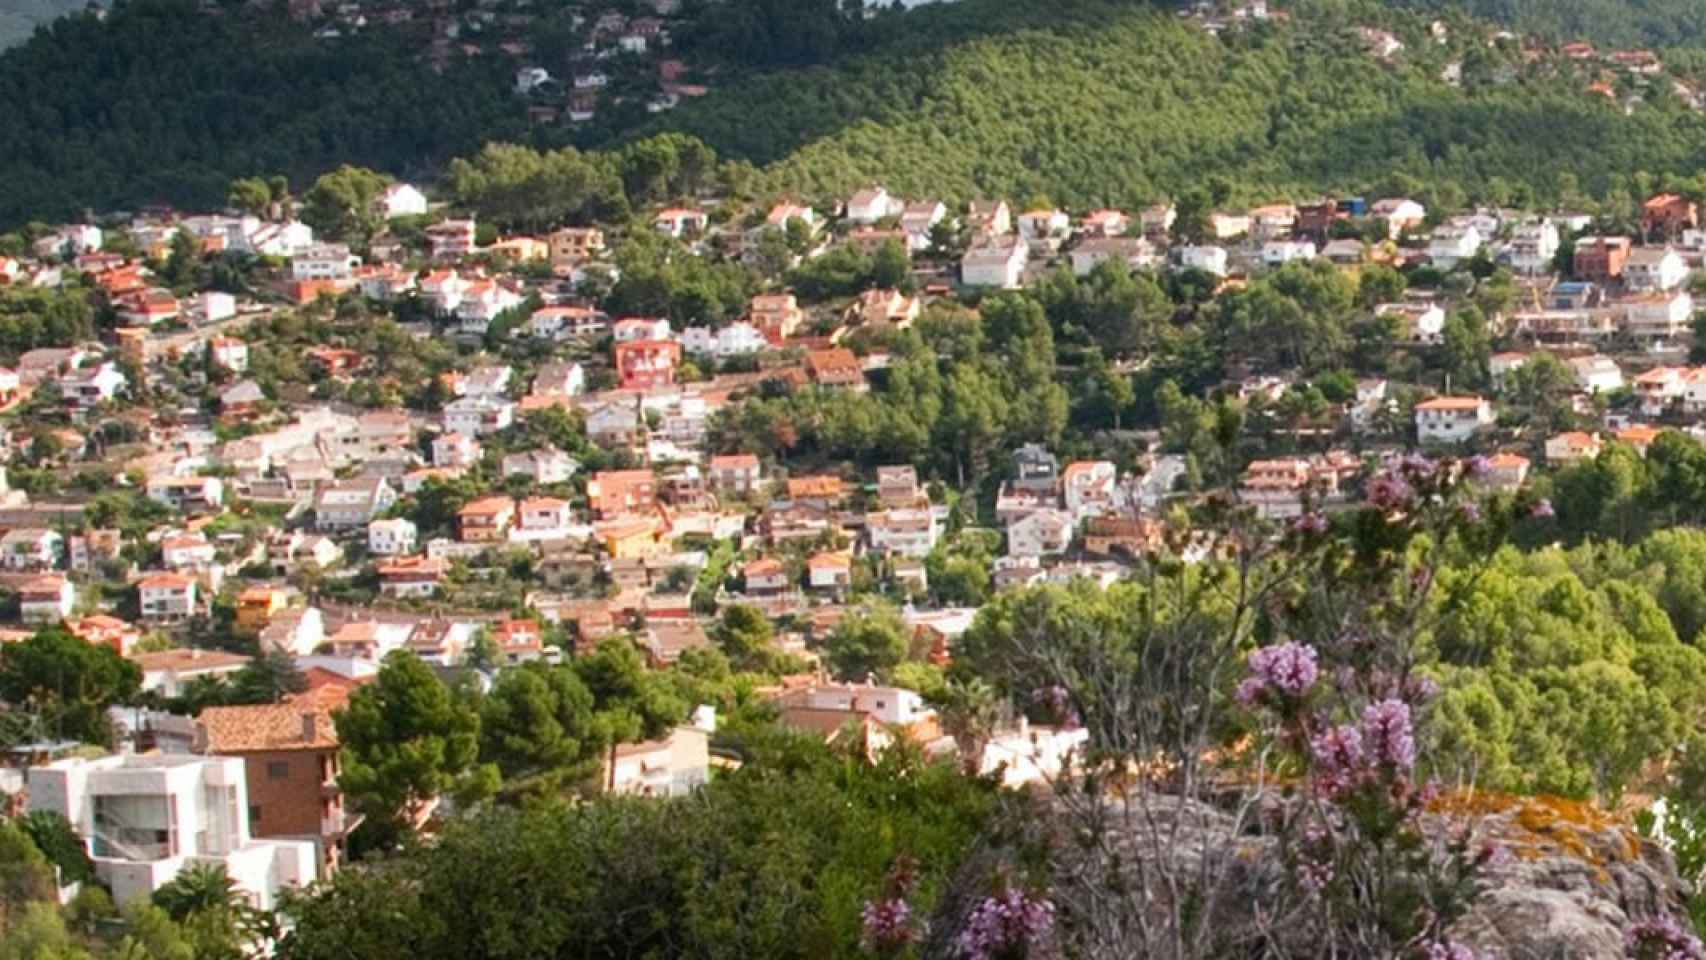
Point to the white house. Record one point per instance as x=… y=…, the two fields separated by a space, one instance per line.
x=904 y=532
x=871 y=205
x=1534 y=246
x=478 y=416
x=1662 y=315
x=1452 y=245
x=455 y=451
x=402 y=200
x=229 y=353
x=1452 y=419
x=1277 y=253
x=630 y=329
x=1039 y=533
x=1423 y=322
x=1210 y=259
x=679 y=222
x=1089 y=486
x=1137 y=253
x=212 y=307
x=47 y=599
x=352 y=504
x=544 y=467
x=87 y=387
x=1399 y=214
x=918 y=220
x=1651 y=269
x=890 y=706
x=31 y=548
x=1031 y=754
x=167 y=597
x=146 y=818
x=326 y=261
x=391 y=538
x=998 y=263
x=1597 y=373
x=735 y=340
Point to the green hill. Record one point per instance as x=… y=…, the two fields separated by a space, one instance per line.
x=1117 y=102
x=163 y=103
x=1081 y=101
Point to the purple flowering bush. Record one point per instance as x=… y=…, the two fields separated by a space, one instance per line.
x=1008 y=925
x=1663 y=938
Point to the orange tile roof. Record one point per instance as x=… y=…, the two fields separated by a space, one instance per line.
x=270 y=727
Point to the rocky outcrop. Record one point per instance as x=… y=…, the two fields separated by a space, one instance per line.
x=1568 y=881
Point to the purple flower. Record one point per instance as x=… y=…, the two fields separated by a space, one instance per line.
x=1389 y=491
x=1310 y=524
x=1007 y=924
x=1313 y=876
x=1288 y=669
x=1419 y=688
x=1450 y=950
x=1542 y=509
x=1250 y=690
x=1471 y=513
x=1338 y=755
x=1387 y=731
x=1479 y=466
x=1662 y=938
x=887 y=926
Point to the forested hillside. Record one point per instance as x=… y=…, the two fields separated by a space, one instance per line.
x=1081 y=101
x=1623 y=22
x=1118 y=102
x=166 y=104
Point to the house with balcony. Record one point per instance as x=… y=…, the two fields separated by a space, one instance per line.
x=352 y=504
x=1452 y=419
x=392 y=537
x=188 y=494
x=146 y=818
x=290 y=761
x=479 y=415
x=167 y=597
x=643 y=364
x=904 y=532
x=46 y=599
x=31 y=548
x=486 y=520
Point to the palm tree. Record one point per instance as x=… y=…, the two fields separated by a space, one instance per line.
x=970 y=711
x=198 y=888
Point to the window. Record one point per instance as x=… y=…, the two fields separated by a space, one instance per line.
x=278 y=770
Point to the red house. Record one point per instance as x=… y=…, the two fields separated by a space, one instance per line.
x=642 y=364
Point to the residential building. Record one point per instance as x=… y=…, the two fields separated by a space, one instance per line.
x=352 y=504
x=455 y=451
x=411 y=577
x=1668 y=215
x=831 y=572
x=1277 y=253
x=1422 y=322
x=1659 y=389
x=1659 y=316
x=1573 y=447
x=1452 y=419
x=1036 y=469
x=544 y=466
x=145 y=819
x=836 y=368
x=999 y=262
x=168 y=672
x=402 y=200
x=1452 y=245
x=87 y=387
x=485 y=520
x=188 y=494
x=738 y=339
x=1209 y=259
x=566 y=322
x=873 y=204
x=1534 y=246
x=643 y=364
x=543 y=518
x=679 y=222
x=1601 y=260
x=616 y=492
x=167 y=597
x=1136 y=253
x=390 y=538
x=906 y=532
x=777 y=315
x=290 y=755
x=451 y=238
x=897 y=486
x=1654 y=269
x=326 y=261
x=738 y=473
x=1400 y=214
x=31 y=548
x=1597 y=373
x=478 y=416
x=1089 y=487
x=46 y=599
x=1280 y=489
x=673 y=766
x=1040 y=532
x=575 y=244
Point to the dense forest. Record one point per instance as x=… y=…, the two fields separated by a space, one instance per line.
x=1081 y=101
x=165 y=104
x=1120 y=103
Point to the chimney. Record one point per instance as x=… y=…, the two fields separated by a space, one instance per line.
x=310 y=726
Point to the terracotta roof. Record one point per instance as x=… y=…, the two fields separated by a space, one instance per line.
x=1451 y=403
x=187 y=659
x=164 y=581
x=272 y=726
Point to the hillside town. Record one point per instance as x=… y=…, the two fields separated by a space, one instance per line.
x=223 y=479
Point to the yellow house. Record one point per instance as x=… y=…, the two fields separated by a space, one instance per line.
x=257 y=606
x=633 y=538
